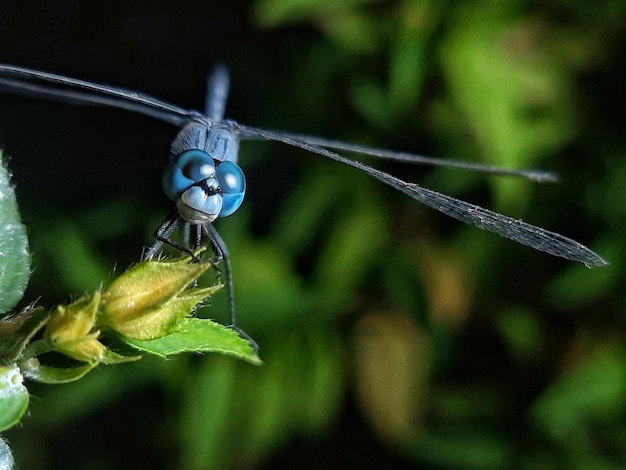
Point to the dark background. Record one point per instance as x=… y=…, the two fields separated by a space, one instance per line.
x=392 y=337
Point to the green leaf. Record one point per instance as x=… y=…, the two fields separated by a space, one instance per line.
x=111 y=357
x=579 y=286
x=521 y=332
x=465 y=448
x=13 y=397
x=15 y=259
x=207 y=410
x=58 y=375
x=593 y=391
x=199 y=335
x=516 y=95
x=59 y=246
x=269 y=13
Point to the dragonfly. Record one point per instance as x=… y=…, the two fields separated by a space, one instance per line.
x=205 y=182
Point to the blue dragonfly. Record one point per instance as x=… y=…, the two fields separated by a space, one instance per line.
x=205 y=182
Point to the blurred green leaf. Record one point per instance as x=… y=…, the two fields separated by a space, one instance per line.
x=513 y=92
x=321 y=384
x=522 y=333
x=577 y=286
x=274 y=12
x=268 y=291
x=354 y=244
x=75 y=260
x=205 y=411
x=592 y=391
x=386 y=105
x=348 y=28
x=74 y=401
x=295 y=392
x=15 y=259
x=270 y=405
x=312 y=202
x=410 y=52
x=371 y=102
x=463 y=448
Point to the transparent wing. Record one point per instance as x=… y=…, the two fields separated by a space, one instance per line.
x=47 y=85
x=514 y=229
x=18 y=80
x=534 y=175
x=22 y=81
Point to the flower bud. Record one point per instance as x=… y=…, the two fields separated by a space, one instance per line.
x=149 y=300
x=71 y=330
x=163 y=320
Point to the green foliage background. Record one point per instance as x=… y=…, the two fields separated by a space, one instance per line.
x=391 y=336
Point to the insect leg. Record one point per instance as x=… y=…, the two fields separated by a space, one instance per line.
x=221 y=254
x=161 y=236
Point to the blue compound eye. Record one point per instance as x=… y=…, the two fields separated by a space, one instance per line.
x=186 y=169
x=233 y=184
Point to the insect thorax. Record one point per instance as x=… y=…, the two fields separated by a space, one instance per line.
x=217 y=139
